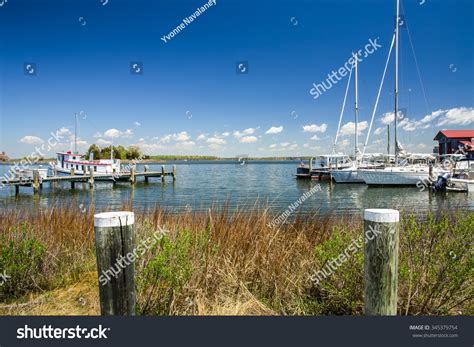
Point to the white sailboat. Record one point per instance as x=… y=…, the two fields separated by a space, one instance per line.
x=407 y=175
x=350 y=174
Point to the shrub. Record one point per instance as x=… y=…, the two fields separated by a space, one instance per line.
x=21 y=259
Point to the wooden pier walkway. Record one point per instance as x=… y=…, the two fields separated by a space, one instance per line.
x=36 y=182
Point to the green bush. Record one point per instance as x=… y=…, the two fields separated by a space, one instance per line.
x=166 y=274
x=436 y=265
x=21 y=259
x=340 y=293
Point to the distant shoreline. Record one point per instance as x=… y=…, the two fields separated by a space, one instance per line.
x=164 y=159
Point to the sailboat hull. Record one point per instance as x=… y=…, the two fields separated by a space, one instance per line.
x=346 y=176
x=394 y=176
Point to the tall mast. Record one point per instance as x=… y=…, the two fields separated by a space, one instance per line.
x=75 y=132
x=356 y=106
x=396 y=80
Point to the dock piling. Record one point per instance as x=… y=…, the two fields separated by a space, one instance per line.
x=132 y=175
x=162 y=173
x=145 y=168
x=91 y=178
x=114 y=240
x=381 y=231
x=174 y=172
x=36 y=183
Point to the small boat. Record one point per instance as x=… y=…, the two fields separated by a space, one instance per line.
x=69 y=162
x=321 y=165
x=460 y=185
x=28 y=174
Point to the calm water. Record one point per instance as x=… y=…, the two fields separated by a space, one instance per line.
x=200 y=184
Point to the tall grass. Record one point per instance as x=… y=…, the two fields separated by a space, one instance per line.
x=220 y=262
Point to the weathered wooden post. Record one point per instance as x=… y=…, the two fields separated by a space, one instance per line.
x=146 y=170
x=36 y=179
x=381 y=231
x=91 y=177
x=114 y=242
x=162 y=173
x=174 y=172
x=132 y=175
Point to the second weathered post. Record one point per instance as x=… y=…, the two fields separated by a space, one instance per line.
x=381 y=228
x=114 y=241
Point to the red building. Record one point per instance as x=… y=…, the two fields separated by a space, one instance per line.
x=451 y=141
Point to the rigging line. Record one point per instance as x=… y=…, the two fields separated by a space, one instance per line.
x=416 y=64
x=378 y=95
x=342 y=110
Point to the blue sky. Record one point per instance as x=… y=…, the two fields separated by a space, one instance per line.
x=190 y=99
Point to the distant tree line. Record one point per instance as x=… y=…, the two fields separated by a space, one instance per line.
x=120 y=152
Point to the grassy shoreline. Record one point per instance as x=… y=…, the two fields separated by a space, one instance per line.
x=219 y=263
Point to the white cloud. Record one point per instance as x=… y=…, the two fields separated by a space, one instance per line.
x=387 y=118
x=226 y=134
x=349 y=128
x=285 y=144
x=179 y=137
x=247 y=131
x=248 y=139
x=274 y=130
x=454 y=116
x=216 y=141
x=315 y=138
x=112 y=133
x=457 y=116
x=379 y=131
x=273 y=145
x=31 y=140
x=314 y=128
x=201 y=137
x=127 y=133
x=137 y=124
x=64 y=131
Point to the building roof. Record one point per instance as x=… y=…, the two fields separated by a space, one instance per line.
x=454 y=134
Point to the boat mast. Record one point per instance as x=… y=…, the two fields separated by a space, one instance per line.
x=396 y=79
x=75 y=132
x=356 y=106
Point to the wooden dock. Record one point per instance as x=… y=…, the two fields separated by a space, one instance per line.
x=36 y=182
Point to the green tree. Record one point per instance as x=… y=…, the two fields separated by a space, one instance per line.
x=120 y=152
x=133 y=152
x=95 y=150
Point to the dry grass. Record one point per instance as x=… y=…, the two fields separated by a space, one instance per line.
x=222 y=263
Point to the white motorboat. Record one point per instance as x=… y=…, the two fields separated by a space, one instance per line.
x=460 y=185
